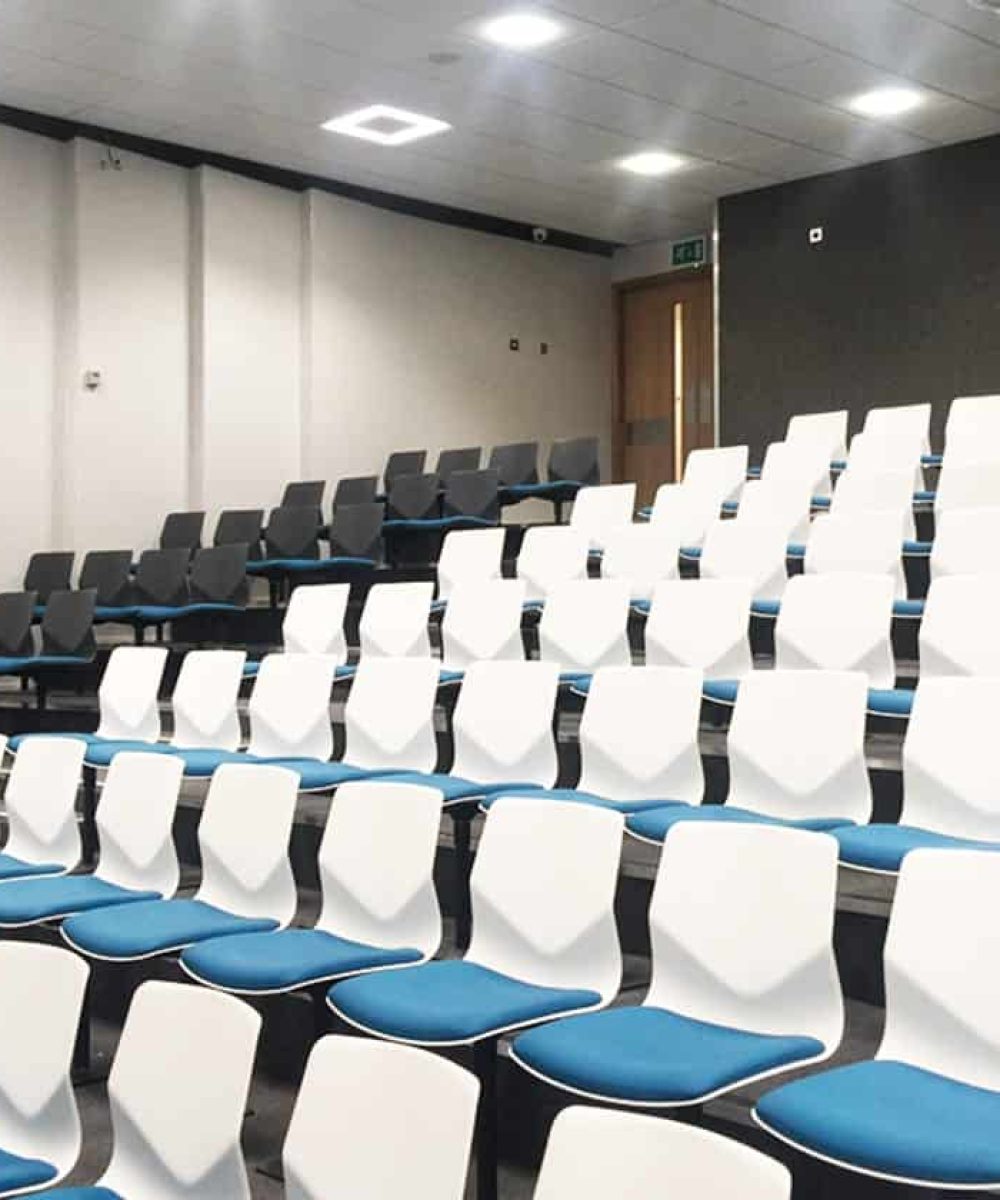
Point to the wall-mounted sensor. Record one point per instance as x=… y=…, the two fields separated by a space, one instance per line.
x=92 y=380
x=815 y=235
x=515 y=343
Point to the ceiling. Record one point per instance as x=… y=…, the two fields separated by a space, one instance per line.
x=751 y=92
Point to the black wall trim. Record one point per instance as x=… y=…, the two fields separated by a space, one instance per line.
x=189 y=156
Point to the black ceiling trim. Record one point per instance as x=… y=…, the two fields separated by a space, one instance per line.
x=297 y=181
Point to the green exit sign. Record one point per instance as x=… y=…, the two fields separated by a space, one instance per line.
x=689 y=253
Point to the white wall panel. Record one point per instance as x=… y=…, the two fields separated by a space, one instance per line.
x=126 y=455
x=248 y=439
x=31 y=170
x=410 y=329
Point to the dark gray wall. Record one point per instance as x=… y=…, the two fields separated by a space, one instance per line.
x=899 y=305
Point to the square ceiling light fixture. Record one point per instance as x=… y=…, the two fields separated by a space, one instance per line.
x=652 y=163
x=522 y=30
x=887 y=102
x=385 y=125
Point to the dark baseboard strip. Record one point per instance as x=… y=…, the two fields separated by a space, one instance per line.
x=189 y=156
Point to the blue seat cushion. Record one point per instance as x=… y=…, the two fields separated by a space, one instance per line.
x=295 y=566
x=451 y=1001
x=924 y=497
x=14 y=666
x=85 y=1193
x=575 y=679
x=114 y=612
x=316 y=776
x=918 y=549
x=910 y=609
x=156 y=614
x=820 y=502
x=883 y=847
x=646 y=513
x=154 y=927
x=730 y=506
x=931 y=460
x=890 y=702
x=19 y=1174
x=202 y=763
x=641 y=606
x=894 y=1119
x=291 y=958
x=572 y=796
x=765 y=608
x=433 y=524
x=722 y=691
x=100 y=752
x=14 y=743
x=690 y=552
x=656 y=823
x=250 y=669
x=23 y=902
x=455 y=789
x=559 y=489
x=17 y=868
x=653 y=1056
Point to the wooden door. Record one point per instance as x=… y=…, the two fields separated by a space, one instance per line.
x=664 y=405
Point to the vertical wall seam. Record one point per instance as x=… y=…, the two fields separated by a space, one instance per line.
x=196 y=340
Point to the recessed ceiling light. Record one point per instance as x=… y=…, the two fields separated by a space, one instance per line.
x=522 y=30
x=651 y=162
x=385 y=125
x=887 y=102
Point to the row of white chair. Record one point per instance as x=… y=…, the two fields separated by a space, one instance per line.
x=869 y=537
x=367 y=1115
x=542 y=894
x=833 y=620
x=639 y=755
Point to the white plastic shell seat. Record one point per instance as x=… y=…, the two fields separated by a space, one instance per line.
x=594 y=1153
x=246 y=883
x=951 y=778
x=314 y=620
x=866 y=543
x=966 y=542
x=394 y=623
x=743 y=985
x=638 y=740
x=599 y=510
x=551 y=555
x=702 y=623
x=483 y=622
x=641 y=555
x=585 y=626
x=469 y=555
x=543 y=942
x=379 y=911
x=193 y=1154
x=960 y=633
x=138 y=859
x=742 y=549
x=796 y=756
x=43 y=837
x=367 y=1111
x=839 y=623
x=924 y=1111
x=41 y=998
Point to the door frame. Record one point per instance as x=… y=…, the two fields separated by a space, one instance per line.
x=619 y=290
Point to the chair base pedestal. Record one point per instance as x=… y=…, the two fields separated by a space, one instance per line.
x=484 y=1059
